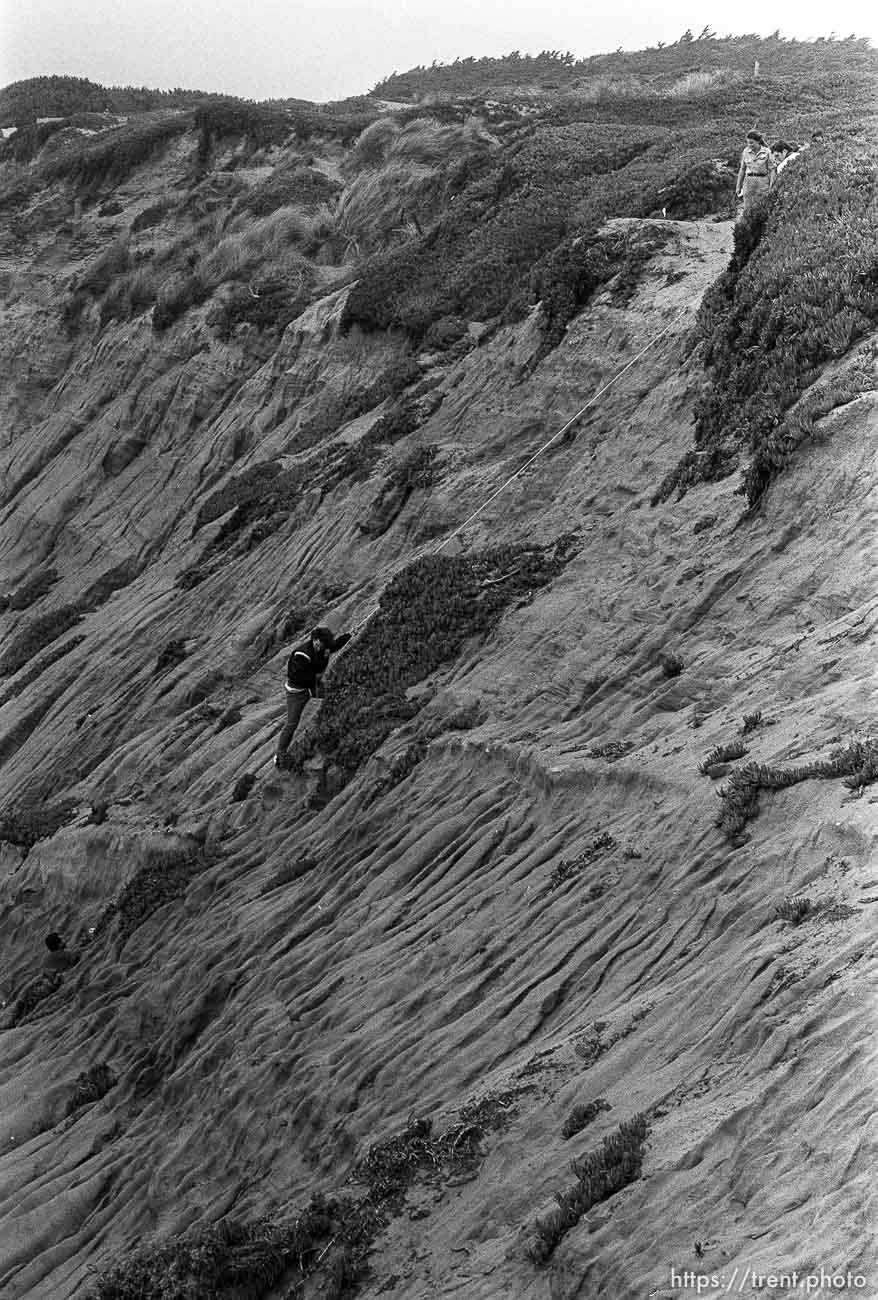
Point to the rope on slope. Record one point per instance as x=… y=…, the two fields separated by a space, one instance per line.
x=539 y=452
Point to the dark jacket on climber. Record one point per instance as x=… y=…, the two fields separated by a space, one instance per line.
x=305 y=668
x=307 y=664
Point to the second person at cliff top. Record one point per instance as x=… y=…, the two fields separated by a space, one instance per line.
x=756 y=172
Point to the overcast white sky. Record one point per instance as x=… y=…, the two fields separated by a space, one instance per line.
x=328 y=49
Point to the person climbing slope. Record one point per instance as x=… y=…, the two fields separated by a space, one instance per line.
x=755 y=172
x=305 y=668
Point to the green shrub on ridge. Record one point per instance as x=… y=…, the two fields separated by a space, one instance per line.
x=425 y=615
x=800 y=291
x=110 y=157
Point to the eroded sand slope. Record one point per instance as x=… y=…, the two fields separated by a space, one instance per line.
x=264 y=1037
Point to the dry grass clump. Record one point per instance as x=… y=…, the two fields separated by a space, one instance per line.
x=390 y=1167
x=263 y=263
x=568 y=867
x=265 y=246
x=372 y=144
x=611 y=750
x=404 y=175
x=795 y=909
x=380 y=206
x=424 y=140
x=697 y=83
x=95 y=280
x=599 y=1175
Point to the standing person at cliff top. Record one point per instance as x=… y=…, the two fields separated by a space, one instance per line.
x=755 y=173
x=305 y=668
x=783 y=153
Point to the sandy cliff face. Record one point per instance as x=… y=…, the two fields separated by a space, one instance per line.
x=543 y=910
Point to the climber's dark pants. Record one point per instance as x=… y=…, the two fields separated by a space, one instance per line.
x=296 y=701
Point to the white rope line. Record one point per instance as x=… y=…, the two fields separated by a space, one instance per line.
x=512 y=477
x=563 y=429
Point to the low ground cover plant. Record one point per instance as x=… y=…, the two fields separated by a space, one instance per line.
x=391 y=1166
x=800 y=291
x=257 y=124
x=566 y=278
x=723 y=754
x=425 y=615
x=582 y=1115
x=603 y=79
x=297 y=186
x=328 y=1241
x=616 y=1163
x=856 y=762
x=25 y=824
x=226 y=1260
x=164 y=876
x=91 y=163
